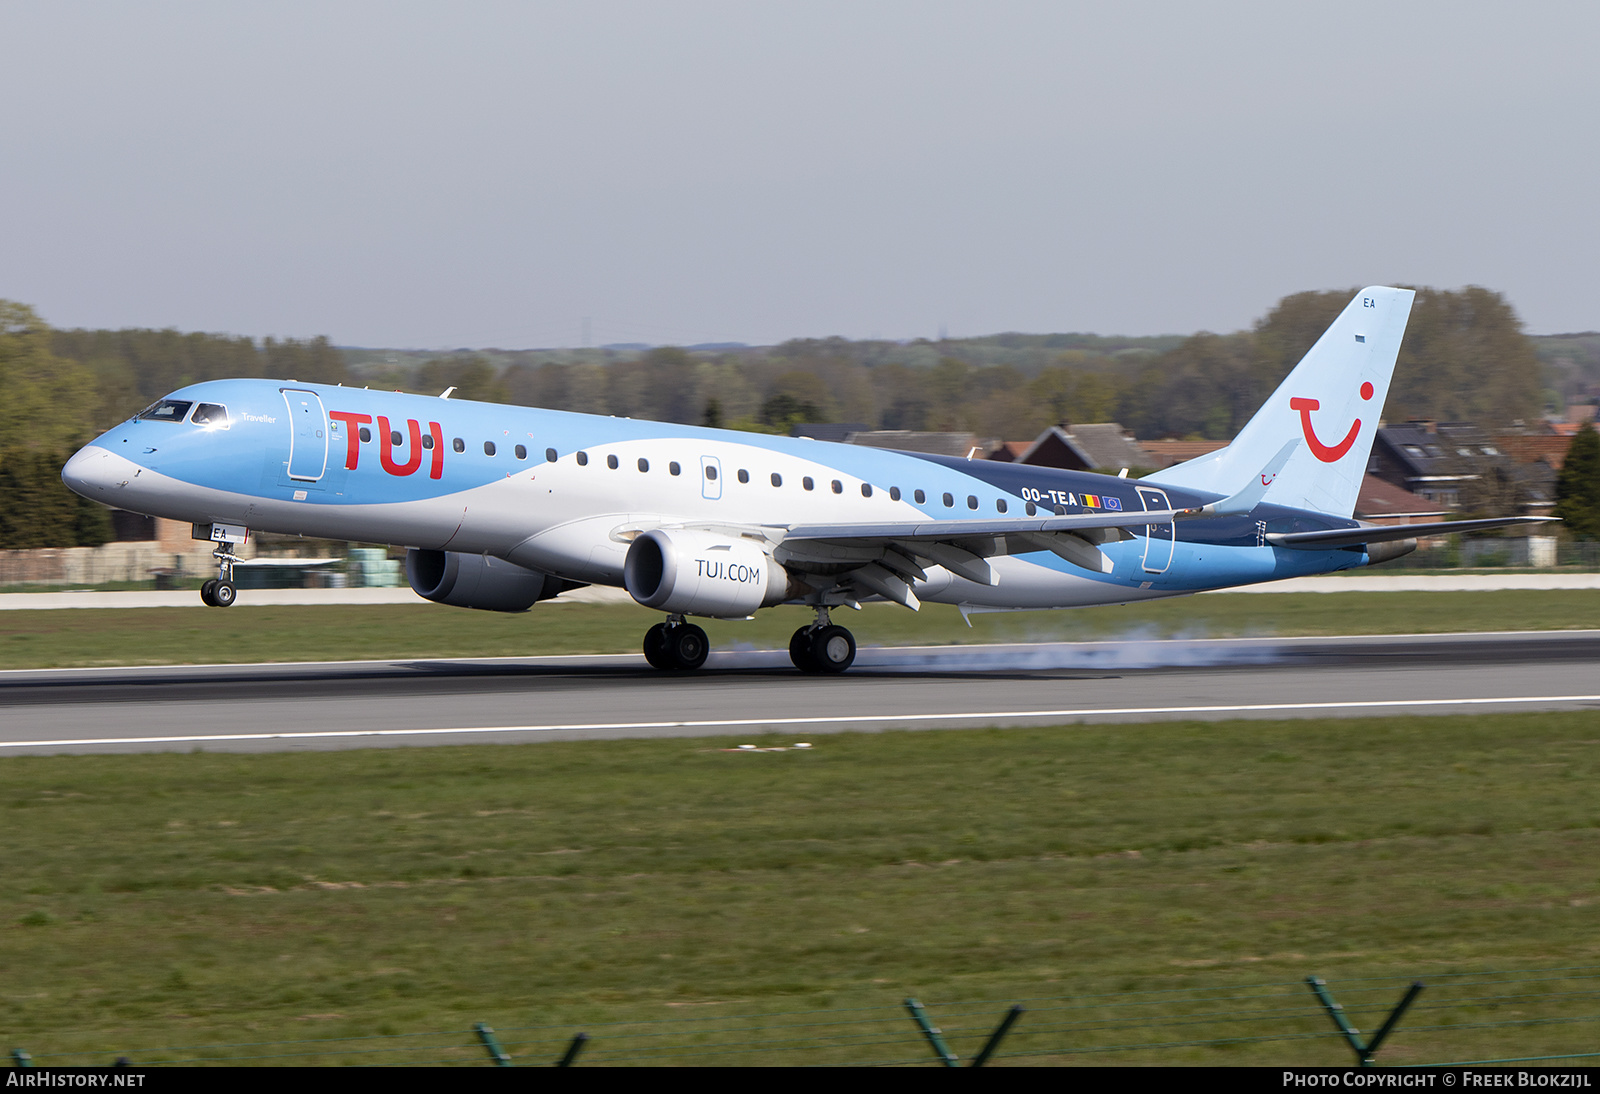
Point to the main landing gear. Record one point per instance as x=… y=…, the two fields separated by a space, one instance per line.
x=220 y=591
x=822 y=647
x=676 y=645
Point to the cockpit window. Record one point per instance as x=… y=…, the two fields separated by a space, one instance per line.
x=211 y=415
x=167 y=410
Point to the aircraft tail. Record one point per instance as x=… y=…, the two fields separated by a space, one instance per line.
x=1329 y=403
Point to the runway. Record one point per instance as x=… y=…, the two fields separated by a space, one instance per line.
x=748 y=693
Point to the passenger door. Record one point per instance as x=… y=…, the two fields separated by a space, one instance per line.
x=1158 y=537
x=308 y=435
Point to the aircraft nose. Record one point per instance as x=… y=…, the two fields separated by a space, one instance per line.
x=92 y=472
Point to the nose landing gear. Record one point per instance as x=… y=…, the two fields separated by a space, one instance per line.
x=676 y=645
x=220 y=591
x=823 y=647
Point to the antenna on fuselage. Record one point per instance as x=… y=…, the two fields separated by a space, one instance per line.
x=445 y=394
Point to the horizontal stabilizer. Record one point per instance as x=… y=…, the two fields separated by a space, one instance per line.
x=1383 y=533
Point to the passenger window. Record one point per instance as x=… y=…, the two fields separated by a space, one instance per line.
x=1033 y=510
x=611 y=462
x=1061 y=510
x=366 y=434
x=211 y=414
x=522 y=451
x=894 y=493
x=777 y=479
x=458 y=444
x=920 y=496
x=583 y=459
x=674 y=469
x=838 y=487
x=711 y=471
x=807 y=484
x=744 y=476
x=644 y=464
x=488 y=448
x=550 y=454
x=394 y=437
x=949 y=501
x=866 y=490
x=427 y=440
x=972 y=501
x=1000 y=504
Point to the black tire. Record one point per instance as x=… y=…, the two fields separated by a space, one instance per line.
x=688 y=645
x=206 y=589
x=224 y=593
x=833 y=649
x=800 y=650
x=655 y=648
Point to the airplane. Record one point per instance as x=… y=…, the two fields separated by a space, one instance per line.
x=500 y=507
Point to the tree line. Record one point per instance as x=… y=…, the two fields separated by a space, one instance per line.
x=63 y=387
x=1465 y=357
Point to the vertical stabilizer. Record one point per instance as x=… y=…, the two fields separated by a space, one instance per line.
x=1330 y=403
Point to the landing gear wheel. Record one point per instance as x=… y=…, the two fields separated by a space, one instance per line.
x=655 y=648
x=224 y=593
x=800 y=650
x=688 y=646
x=833 y=649
x=207 y=588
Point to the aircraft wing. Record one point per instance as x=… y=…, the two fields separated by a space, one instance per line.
x=919 y=530
x=885 y=558
x=1382 y=533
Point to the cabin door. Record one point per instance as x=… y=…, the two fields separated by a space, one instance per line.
x=308 y=435
x=1158 y=537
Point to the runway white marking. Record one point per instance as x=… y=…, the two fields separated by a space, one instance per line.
x=732 y=723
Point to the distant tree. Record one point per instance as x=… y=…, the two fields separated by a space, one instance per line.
x=1209 y=385
x=712 y=418
x=472 y=376
x=1578 y=486
x=48 y=402
x=1465 y=358
x=39 y=511
x=781 y=411
x=902 y=396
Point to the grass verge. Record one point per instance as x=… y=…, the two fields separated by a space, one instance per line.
x=38 y=639
x=161 y=900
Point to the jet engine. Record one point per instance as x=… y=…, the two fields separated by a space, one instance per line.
x=478 y=581
x=702 y=573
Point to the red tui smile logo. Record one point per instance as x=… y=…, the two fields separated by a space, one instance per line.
x=1327 y=453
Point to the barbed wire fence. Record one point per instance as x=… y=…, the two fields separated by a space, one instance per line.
x=1479 y=1017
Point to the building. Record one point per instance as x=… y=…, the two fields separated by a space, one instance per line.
x=1167 y=453
x=1382 y=502
x=1448 y=463
x=1098 y=446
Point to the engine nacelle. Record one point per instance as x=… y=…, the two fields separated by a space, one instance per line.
x=478 y=581
x=702 y=573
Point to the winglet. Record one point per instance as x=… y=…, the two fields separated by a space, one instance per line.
x=1248 y=498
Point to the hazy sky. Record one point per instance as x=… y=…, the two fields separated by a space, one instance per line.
x=486 y=174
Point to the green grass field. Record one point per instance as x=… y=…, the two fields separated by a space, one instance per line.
x=30 y=639
x=161 y=900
